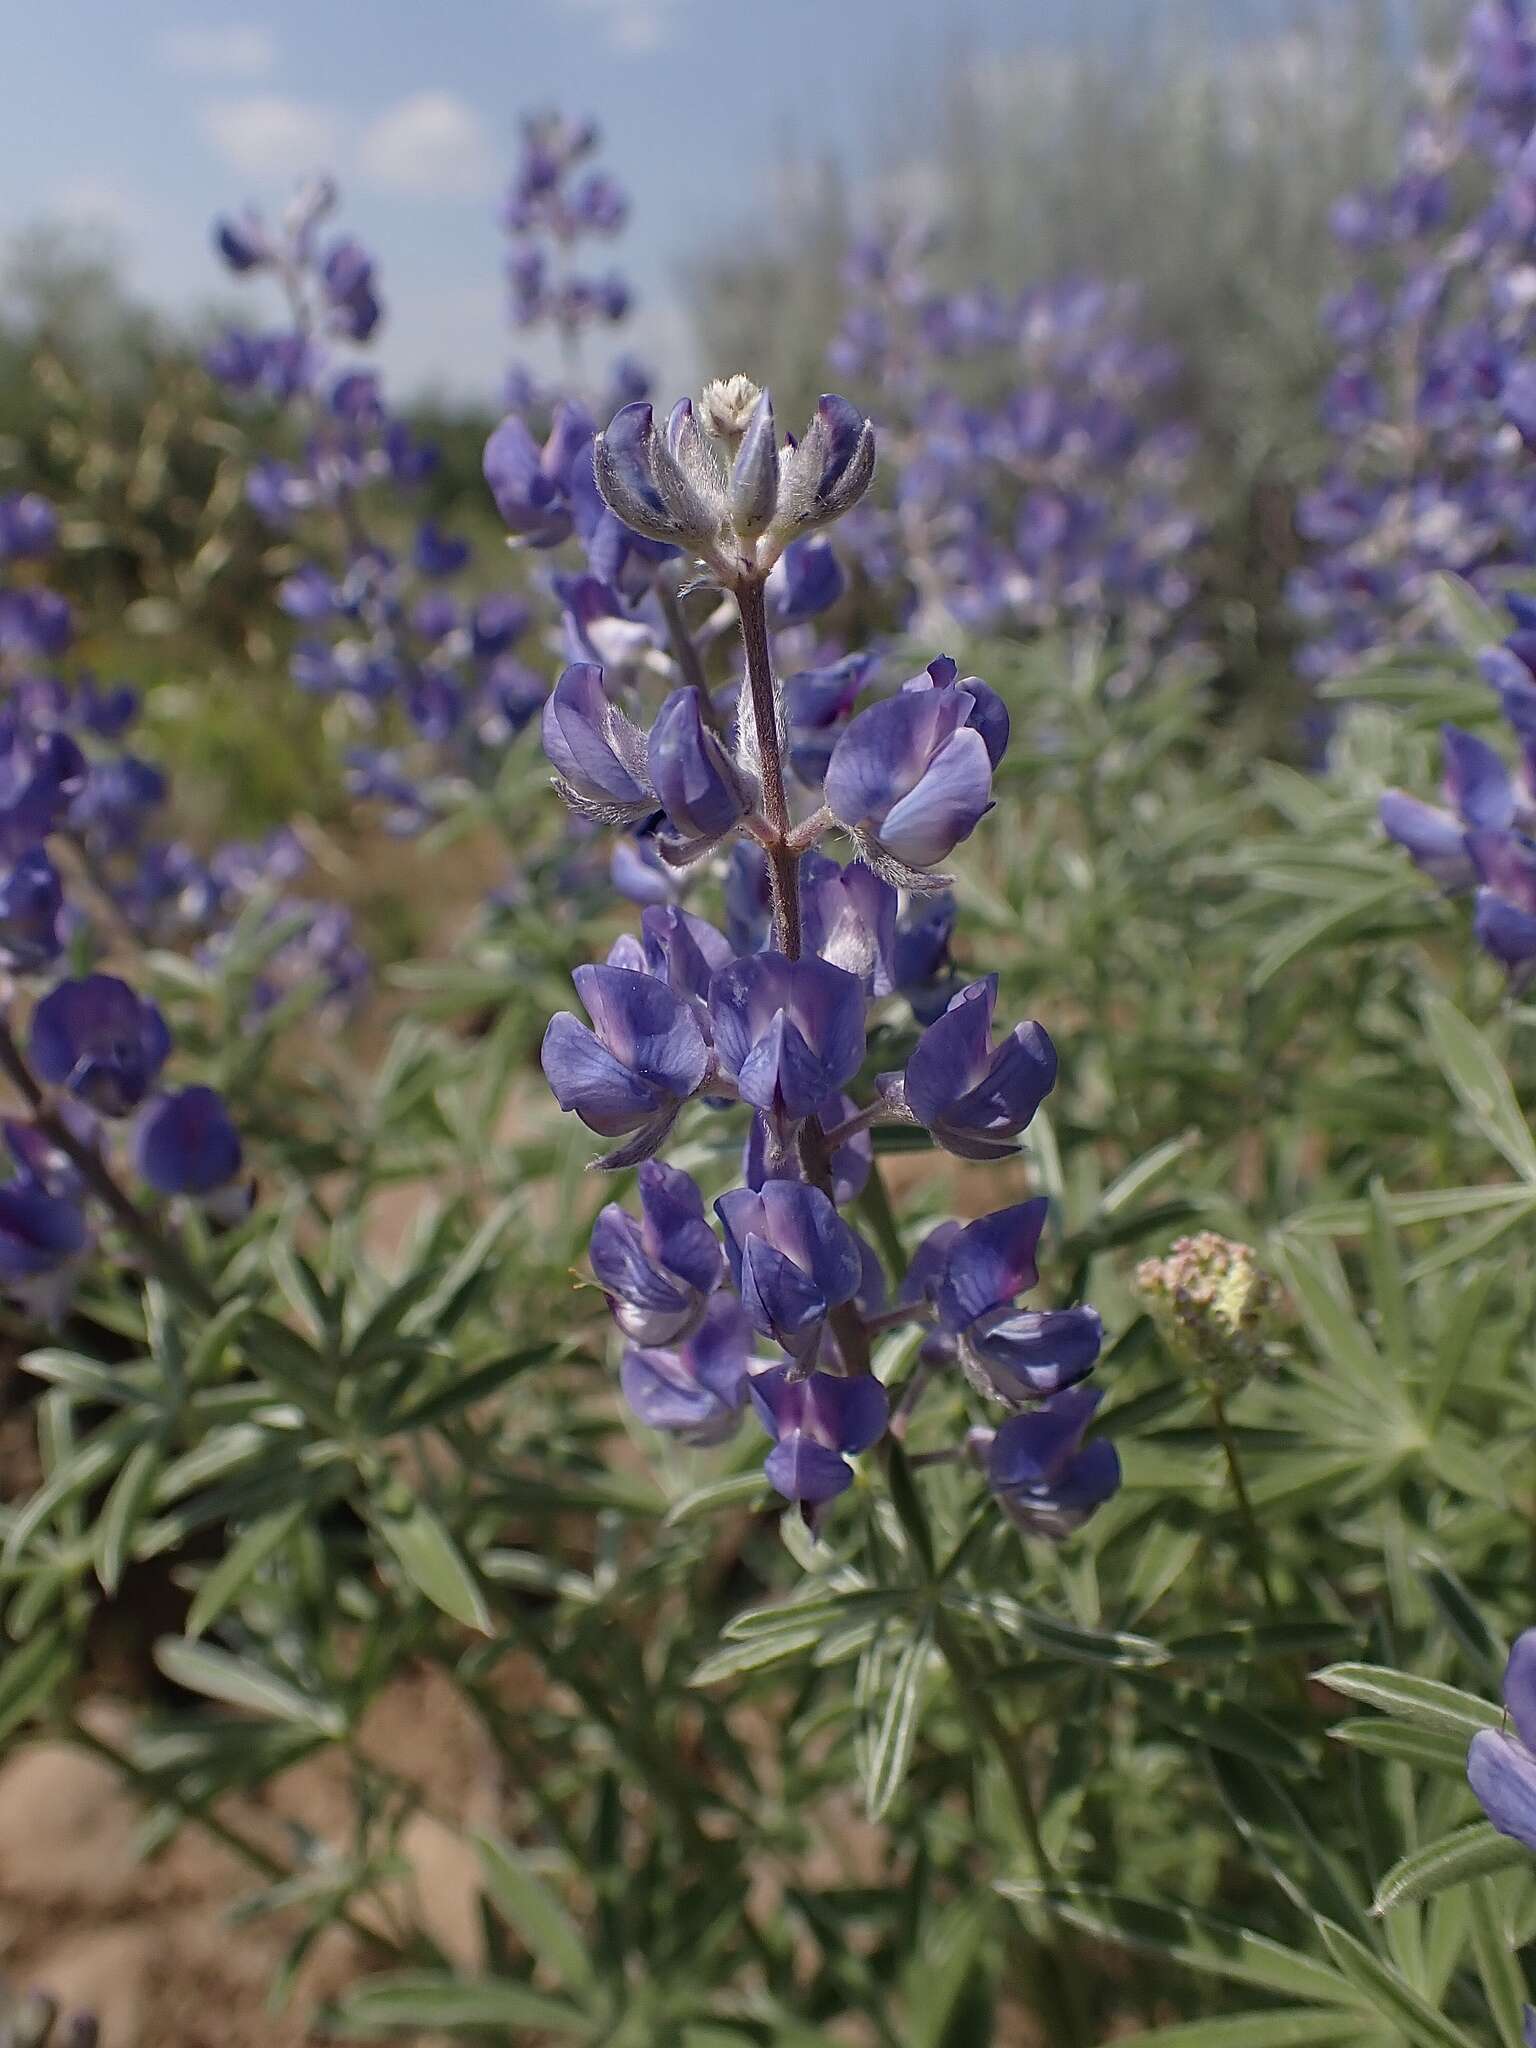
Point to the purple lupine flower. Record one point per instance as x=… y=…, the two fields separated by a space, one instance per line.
x=788 y=1032
x=819 y=702
x=437 y=553
x=684 y=951
x=698 y=785
x=793 y=1260
x=532 y=486
x=29 y=526
x=630 y=1075
x=187 y=1143
x=1434 y=839
x=849 y=916
x=911 y=777
x=31 y=905
x=597 y=754
x=697 y=1389
x=1012 y=1355
x=1044 y=1479
x=658 y=1271
x=1501 y=1764
x=101 y=1041
x=818 y=1424
x=806 y=580
x=972 y=1097
x=42 y=1239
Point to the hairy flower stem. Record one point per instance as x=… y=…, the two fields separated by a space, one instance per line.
x=784 y=885
x=1252 y=1531
x=165 y=1257
x=1066 y=2022
x=783 y=862
x=685 y=651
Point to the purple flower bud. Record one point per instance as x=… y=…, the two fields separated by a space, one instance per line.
x=818 y=1423
x=1044 y=1480
x=789 y=1032
x=754 y=489
x=659 y=1271
x=827 y=474
x=31 y=904
x=243 y=243
x=912 y=776
x=439 y=554
x=597 y=755
x=532 y=485
x=97 y=1038
x=974 y=1099
x=187 y=1144
x=646 y=487
x=1476 y=781
x=1501 y=1767
x=631 y=1074
x=701 y=789
x=686 y=952
x=695 y=1392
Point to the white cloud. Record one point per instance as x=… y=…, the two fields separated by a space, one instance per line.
x=98 y=206
x=228 y=50
x=634 y=27
x=432 y=145
x=268 y=137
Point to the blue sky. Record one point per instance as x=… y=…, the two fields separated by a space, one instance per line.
x=141 y=120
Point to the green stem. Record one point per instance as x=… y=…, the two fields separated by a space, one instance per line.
x=1067 y=2021
x=1252 y=1532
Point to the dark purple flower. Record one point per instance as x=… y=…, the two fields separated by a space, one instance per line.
x=597 y=754
x=631 y=1074
x=806 y=580
x=243 y=242
x=793 y=1260
x=659 y=1270
x=849 y=918
x=1046 y=1482
x=818 y=1423
x=698 y=784
x=684 y=951
x=97 y=1038
x=31 y=904
x=972 y=1097
x=1501 y=1765
x=439 y=554
x=912 y=776
x=697 y=1390
x=29 y=526
x=532 y=485
x=1012 y=1355
x=187 y=1143
x=1434 y=839
x=42 y=1238
x=789 y=1032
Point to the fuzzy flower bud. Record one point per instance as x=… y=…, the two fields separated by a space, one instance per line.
x=1214 y=1306
x=727 y=404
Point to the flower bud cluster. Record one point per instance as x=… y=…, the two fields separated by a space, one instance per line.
x=765 y=1016
x=1215 y=1306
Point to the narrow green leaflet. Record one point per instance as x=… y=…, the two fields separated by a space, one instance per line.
x=433 y=1563
x=240 y=1564
x=1424 y=1701
x=534 y=1912
x=1399 y=2005
x=1473 y=1851
x=741 y=1490
x=895 y=1730
x=1425 y=1749
x=29 y=1673
x=432 y=1999
x=237 y=1683
x=124 y=1510
x=1497 y=1965
x=1480 y=1083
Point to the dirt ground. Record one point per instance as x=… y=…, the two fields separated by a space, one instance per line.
x=149 y=1946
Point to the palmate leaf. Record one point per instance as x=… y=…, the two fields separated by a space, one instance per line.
x=1473 y=1851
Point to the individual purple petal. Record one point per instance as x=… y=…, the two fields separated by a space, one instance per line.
x=1476 y=781
x=946 y=805
x=698 y=785
x=1520 y=1687
x=991 y=1262
x=644 y=1024
x=1433 y=838
x=791 y=1032
x=849 y=1414
x=585 y=1077
x=1029 y=1354
x=1502 y=1773
x=593 y=748
x=808 y=1472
